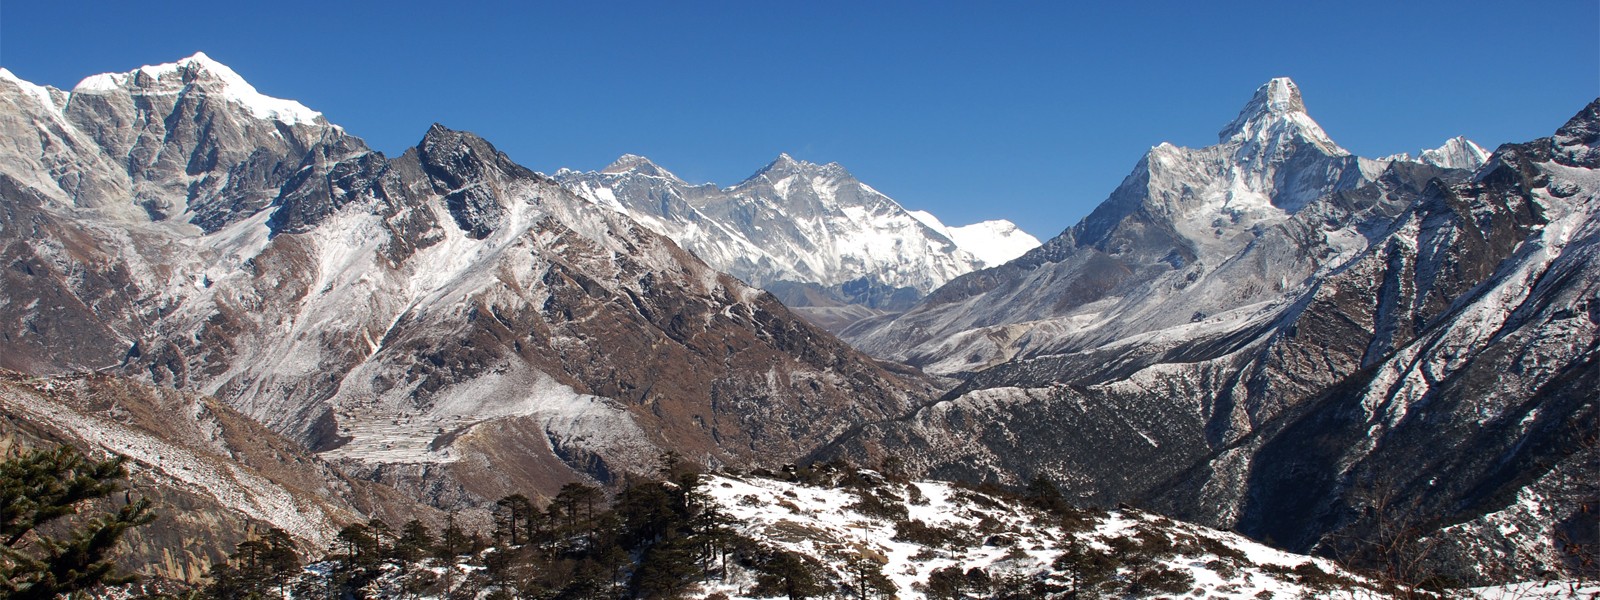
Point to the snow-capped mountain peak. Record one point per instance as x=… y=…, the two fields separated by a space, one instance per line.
x=39 y=92
x=798 y=223
x=1456 y=153
x=210 y=75
x=633 y=163
x=1275 y=98
x=785 y=165
x=994 y=242
x=1275 y=112
x=1184 y=213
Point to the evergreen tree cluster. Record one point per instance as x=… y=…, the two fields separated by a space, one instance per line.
x=257 y=568
x=656 y=538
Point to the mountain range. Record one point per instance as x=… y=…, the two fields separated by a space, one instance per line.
x=823 y=242
x=1268 y=335
x=411 y=317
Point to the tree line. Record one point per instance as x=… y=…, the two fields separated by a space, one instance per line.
x=657 y=537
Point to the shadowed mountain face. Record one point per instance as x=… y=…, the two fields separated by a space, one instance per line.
x=446 y=320
x=1360 y=330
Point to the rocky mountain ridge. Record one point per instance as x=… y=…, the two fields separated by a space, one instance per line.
x=1163 y=242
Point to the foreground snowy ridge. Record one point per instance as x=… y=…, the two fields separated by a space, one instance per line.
x=856 y=534
x=1012 y=544
x=1006 y=541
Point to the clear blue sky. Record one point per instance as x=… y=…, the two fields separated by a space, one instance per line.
x=1027 y=111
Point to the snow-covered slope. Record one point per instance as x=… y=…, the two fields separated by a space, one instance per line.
x=911 y=530
x=795 y=222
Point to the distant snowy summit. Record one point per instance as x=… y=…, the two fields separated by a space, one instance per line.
x=993 y=242
x=813 y=234
x=1456 y=153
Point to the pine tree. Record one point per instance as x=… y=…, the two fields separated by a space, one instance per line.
x=255 y=568
x=789 y=575
x=575 y=504
x=1086 y=569
x=453 y=541
x=363 y=551
x=1043 y=495
x=866 y=576
x=361 y=545
x=42 y=486
x=666 y=569
x=414 y=542
x=279 y=558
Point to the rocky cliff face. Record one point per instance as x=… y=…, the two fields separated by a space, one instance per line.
x=1406 y=331
x=1477 y=317
x=445 y=319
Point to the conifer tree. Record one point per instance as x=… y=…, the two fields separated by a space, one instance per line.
x=867 y=579
x=1043 y=495
x=788 y=575
x=256 y=568
x=42 y=486
x=453 y=540
x=512 y=518
x=414 y=541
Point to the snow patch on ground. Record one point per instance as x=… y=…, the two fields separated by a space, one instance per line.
x=820 y=522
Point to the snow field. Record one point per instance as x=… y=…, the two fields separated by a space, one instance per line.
x=818 y=522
